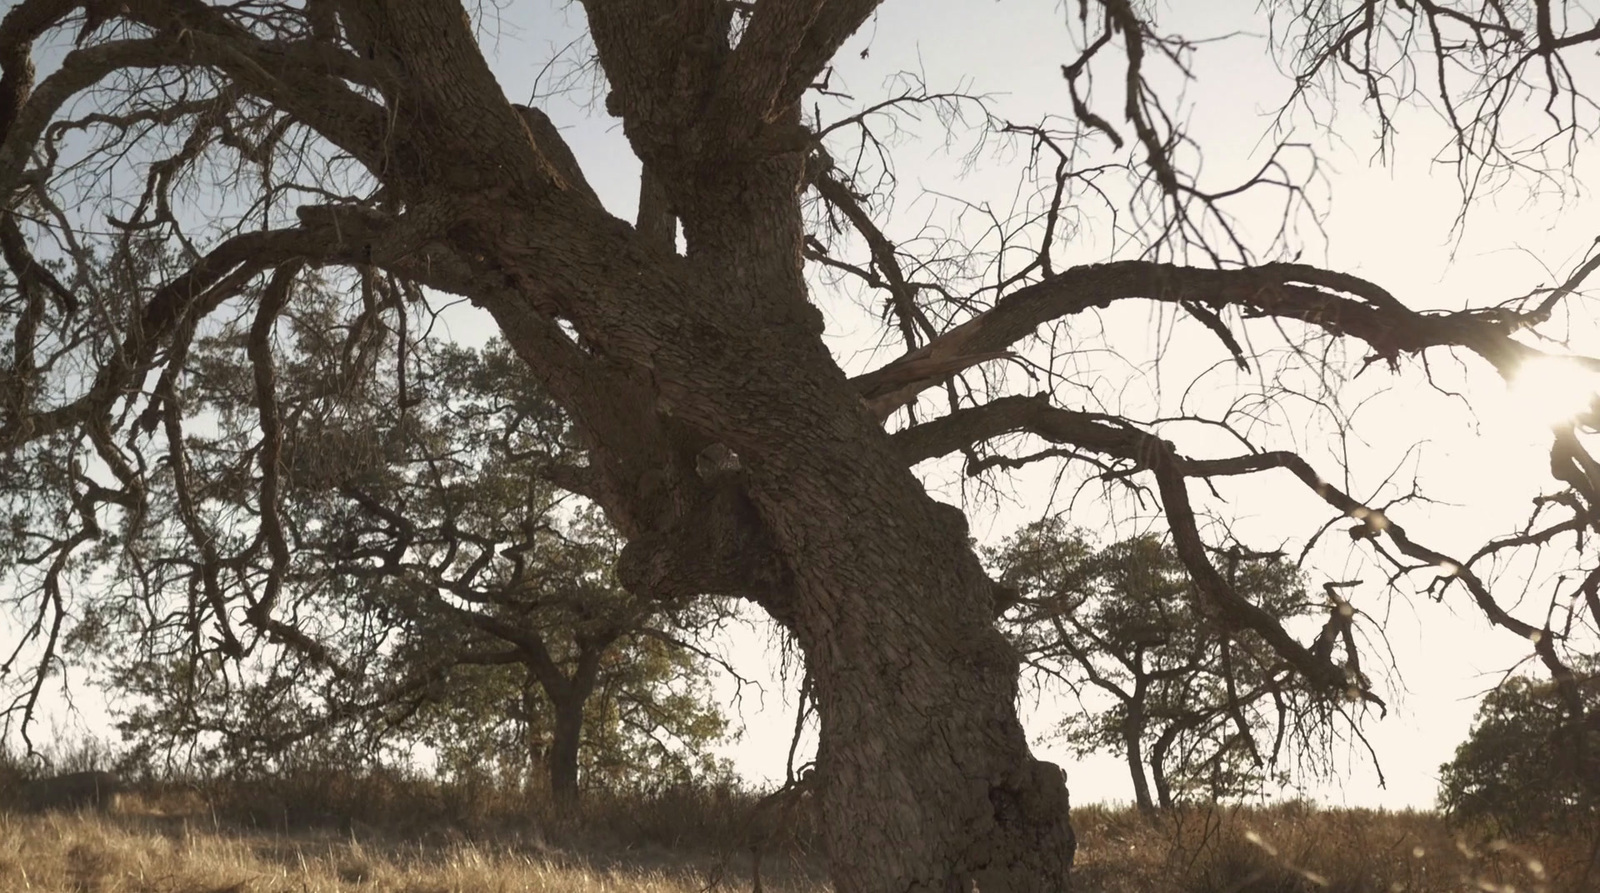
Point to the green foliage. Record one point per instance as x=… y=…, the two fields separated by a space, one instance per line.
x=1526 y=765
x=651 y=720
x=434 y=587
x=1212 y=712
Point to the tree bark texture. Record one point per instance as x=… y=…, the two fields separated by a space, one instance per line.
x=1158 y=767
x=927 y=776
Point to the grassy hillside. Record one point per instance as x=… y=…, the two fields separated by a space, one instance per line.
x=417 y=840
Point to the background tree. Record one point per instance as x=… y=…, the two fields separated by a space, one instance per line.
x=370 y=142
x=460 y=597
x=1194 y=708
x=1527 y=765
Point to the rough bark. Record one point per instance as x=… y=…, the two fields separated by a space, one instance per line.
x=927 y=776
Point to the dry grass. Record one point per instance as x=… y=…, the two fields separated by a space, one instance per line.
x=1295 y=849
x=684 y=842
x=122 y=853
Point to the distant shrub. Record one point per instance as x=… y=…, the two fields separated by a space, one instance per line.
x=1526 y=764
x=75 y=790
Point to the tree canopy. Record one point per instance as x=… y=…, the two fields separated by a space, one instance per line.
x=462 y=599
x=171 y=167
x=1524 y=766
x=1196 y=710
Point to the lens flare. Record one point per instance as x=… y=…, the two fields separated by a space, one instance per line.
x=1553 y=390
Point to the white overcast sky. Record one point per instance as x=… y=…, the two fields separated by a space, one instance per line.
x=1391 y=224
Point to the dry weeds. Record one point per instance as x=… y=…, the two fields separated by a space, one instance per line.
x=1297 y=849
x=88 y=853
x=168 y=845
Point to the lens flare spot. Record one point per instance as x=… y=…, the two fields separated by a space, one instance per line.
x=1552 y=391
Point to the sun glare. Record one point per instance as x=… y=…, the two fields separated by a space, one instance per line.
x=1552 y=390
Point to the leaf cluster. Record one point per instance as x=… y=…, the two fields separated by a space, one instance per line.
x=1527 y=765
x=1211 y=709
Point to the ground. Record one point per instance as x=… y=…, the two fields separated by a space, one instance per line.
x=671 y=843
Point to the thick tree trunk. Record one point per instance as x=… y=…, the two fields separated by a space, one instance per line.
x=927 y=780
x=926 y=776
x=928 y=783
x=537 y=746
x=1163 y=786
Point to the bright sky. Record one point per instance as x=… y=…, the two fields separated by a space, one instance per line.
x=1390 y=224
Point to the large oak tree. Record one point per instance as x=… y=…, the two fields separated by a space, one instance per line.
x=369 y=139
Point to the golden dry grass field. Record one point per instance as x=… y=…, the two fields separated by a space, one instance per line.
x=697 y=843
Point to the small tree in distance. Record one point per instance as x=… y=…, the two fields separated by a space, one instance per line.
x=460 y=598
x=1526 y=765
x=1196 y=709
